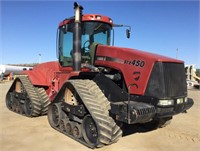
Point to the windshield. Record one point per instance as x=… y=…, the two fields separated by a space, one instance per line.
x=92 y=33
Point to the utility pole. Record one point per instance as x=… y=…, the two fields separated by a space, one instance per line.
x=177 y=53
x=39 y=60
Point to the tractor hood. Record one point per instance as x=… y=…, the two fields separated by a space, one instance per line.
x=135 y=65
x=129 y=54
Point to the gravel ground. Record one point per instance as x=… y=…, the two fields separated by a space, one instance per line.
x=20 y=133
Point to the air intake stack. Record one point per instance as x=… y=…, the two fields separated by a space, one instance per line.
x=77 y=37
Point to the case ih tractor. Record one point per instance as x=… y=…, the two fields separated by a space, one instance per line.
x=94 y=87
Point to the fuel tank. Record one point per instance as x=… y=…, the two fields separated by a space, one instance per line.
x=7 y=69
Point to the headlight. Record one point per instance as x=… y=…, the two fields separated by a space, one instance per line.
x=165 y=102
x=180 y=100
x=98 y=17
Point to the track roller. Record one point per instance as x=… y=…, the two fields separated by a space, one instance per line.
x=68 y=127
x=62 y=125
x=76 y=130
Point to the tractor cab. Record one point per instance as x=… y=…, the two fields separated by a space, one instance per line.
x=95 y=29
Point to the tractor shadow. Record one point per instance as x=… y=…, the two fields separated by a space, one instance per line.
x=138 y=128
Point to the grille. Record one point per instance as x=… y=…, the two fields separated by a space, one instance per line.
x=167 y=80
x=174 y=79
x=145 y=111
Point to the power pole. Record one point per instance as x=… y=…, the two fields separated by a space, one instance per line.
x=177 y=53
x=39 y=60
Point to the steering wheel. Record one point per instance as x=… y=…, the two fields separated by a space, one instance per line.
x=86 y=45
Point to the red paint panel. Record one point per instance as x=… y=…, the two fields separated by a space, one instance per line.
x=135 y=65
x=50 y=75
x=43 y=73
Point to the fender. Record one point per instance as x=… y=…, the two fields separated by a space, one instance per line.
x=51 y=76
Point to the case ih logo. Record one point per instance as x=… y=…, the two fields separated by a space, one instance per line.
x=137 y=63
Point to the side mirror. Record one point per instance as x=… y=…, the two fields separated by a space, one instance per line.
x=128 y=30
x=128 y=33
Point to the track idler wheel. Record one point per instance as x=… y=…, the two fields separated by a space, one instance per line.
x=90 y=131
x=55 y=114
x=9 y=101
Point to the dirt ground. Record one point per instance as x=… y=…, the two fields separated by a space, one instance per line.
x=19 y=133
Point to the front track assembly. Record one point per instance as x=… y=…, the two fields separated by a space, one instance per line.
x=81 y=111
x=25 y=99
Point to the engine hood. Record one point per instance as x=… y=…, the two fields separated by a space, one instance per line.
x=135 y=65
x=127 y=53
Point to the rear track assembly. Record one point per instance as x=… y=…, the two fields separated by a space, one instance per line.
x=25 y=99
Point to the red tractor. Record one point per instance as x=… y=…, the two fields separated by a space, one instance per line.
x=95 y=87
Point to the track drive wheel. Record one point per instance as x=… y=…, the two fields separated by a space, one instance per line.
x=70 y=97
x=18 y=87
x=90 y=131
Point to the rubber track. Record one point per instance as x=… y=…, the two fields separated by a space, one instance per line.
x=32 y=94
x=98 y=106
x=44 y=100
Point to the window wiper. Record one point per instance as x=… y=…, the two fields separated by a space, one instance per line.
x=98 y=27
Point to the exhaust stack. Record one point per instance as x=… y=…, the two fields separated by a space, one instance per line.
x=77 y=37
